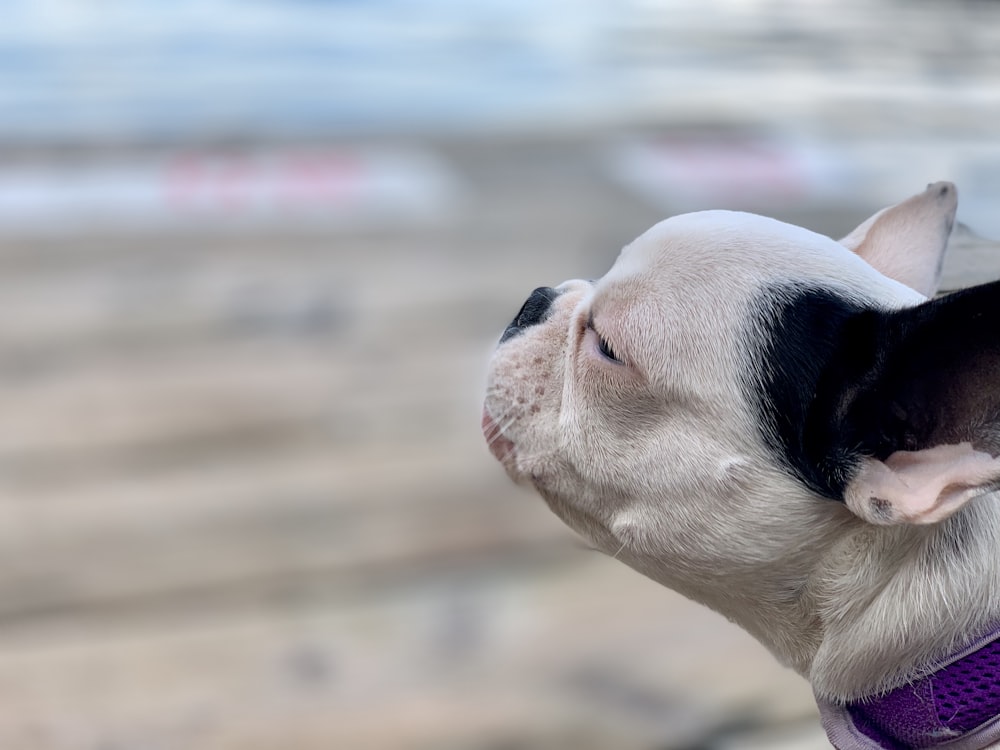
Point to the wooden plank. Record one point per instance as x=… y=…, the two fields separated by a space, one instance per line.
x=446 y=664
x=127 y=550
x=300 y=294
x=123 y=399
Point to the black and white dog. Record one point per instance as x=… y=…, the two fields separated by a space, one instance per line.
x=784 y=428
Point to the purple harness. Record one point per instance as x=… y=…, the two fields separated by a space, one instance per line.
x=956 y=707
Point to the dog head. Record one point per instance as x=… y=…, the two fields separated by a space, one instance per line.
x=715 y=404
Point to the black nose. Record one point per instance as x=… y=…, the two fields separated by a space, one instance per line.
x=532 y=312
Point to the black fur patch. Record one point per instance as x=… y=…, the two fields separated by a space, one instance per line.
x=840 y=381
x=804 y=331
x=939 y=373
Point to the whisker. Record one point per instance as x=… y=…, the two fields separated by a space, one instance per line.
x=493 y=440
x=500 y=424
x=506 y=424
x=494 y=430
x=615 y=556
x=496 y=433
x=498 y=427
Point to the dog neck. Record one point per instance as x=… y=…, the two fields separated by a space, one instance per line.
x=893 y=601
x=859 y=609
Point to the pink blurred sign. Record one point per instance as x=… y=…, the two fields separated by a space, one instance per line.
x=688 y=172
x=325 y=187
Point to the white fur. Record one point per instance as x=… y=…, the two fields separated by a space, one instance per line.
x=659 y=461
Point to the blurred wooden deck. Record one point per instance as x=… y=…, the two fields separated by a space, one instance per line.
x=245 y=502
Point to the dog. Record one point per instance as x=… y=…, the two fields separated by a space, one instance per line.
x=794 y=432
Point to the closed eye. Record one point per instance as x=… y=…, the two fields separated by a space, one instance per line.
x=605 y=348
x=602 y=344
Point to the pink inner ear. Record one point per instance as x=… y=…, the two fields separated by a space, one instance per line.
x=920 y=487
x=906 y=241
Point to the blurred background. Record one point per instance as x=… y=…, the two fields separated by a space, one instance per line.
x=254 y=256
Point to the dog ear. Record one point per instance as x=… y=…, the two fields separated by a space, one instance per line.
x=911 y=403
x=921 y=487
x=906 y=242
